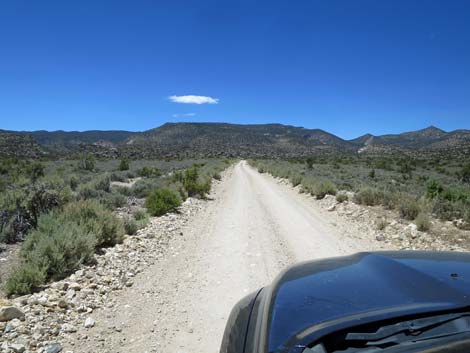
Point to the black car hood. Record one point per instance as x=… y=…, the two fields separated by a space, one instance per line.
x=314 y=298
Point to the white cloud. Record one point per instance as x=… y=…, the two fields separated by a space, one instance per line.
x=186 y=115
x=190 y=99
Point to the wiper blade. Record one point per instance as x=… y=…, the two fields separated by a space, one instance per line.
x=410 y=327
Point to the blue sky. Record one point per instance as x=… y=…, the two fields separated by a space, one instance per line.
x=348 y=67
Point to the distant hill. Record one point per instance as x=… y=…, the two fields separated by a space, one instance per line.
x=221 y=139
x=18 y=145
x=178 y=140
x=430 y=141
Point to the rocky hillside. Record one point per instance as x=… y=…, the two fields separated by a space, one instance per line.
x=430 y=140
x=18 y=145
x=221 y=139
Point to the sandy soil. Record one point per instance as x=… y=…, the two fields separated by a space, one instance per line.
x=253 y=228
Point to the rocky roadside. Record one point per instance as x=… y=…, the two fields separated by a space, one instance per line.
x=385 y=228
x=46 y=321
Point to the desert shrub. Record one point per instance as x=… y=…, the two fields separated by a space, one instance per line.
x=130 y=226
x=21 y=207
x=144 y=187
x=102 y=223
x=124 y=165
x=118 y=177
x=295 y=179
x=131 y=175
x=372 y=174
x=464 y=174
x=368 y=197
x=102 y=183
x=149 y=172
x=87 y=191
x=342 y=197
x=140 y=214
x=113 y=200
x=25 y=279
x=309 y=162
x=194 y=184
x=433 y=189
x=73 y=182
x=322 y=188
x=408 y=207
x=34 y=170
x=161 y=201
x=217 y=176
x=381 y=223
x=422 y=222
x=87 y=162
x=58 y=245
x=122 y=190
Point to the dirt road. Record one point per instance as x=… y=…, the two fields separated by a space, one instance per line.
x=252 y=229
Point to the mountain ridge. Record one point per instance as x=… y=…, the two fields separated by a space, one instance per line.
x=188 y=139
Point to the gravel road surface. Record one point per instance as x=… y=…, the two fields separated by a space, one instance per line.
x=251 y=229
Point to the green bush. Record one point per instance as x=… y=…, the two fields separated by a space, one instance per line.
x=194 y=184
x=161 y=201
x=295 y=179
x=25 y=279
x=102 y=223
x=422 y=222
x=62 y=241
x=368 y=197
x=116 y=176
x=130 y=226
x=465 y=174
x=124 y=165
x=323 y=188
x=144 y=187
x=34 y=170
x=102 y=183
x=58 y=245
x=342 y=197
x=140 y=215
x=73 y=182
x=433 y=189
x=113 y=200
x=149 y=172
x=142 y=218
x=408 y=207
x=87 y=162
x=381 y=223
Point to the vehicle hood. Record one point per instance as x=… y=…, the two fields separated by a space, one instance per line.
x=316 y=298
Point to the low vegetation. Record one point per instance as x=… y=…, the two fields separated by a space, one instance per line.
x=416 y=189
x=161 y=201
x=64 y=211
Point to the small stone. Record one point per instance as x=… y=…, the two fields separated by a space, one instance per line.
x=53 y=348
x=15 y=347
x=69 y=328
x=89 y=322
x=75 y=286
x=380 y=237
x=8 y=313
x=331 y=208
x=62 y=304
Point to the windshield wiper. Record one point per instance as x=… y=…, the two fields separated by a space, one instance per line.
x=409 y=327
